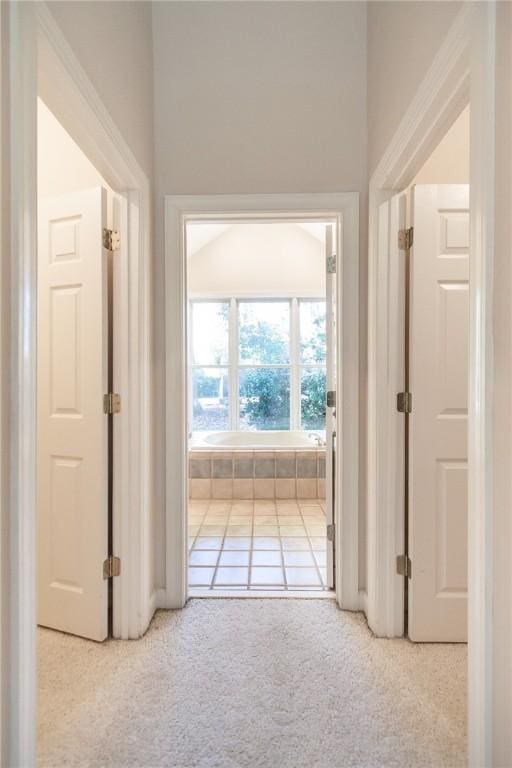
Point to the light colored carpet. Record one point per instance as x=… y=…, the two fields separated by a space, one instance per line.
x=252 y=684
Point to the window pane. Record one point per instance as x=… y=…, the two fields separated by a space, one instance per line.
x=210 y=332
x=312 y=398
x=312 y=331
x=264 y=332
x=210 y=399
x=264 y=398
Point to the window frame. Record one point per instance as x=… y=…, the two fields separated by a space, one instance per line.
x=295 y=365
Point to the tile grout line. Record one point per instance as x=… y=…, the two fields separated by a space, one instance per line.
x=298 y=511
x=251 y=551
x=285 y=579
x=322 y=585
x=212 y=582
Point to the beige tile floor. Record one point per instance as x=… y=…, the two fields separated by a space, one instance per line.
x=258 y=545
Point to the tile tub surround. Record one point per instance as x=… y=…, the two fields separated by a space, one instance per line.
x=257 y=474
x=242 y=544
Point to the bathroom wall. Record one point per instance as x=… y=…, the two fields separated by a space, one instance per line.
x=256 y=260
x=284 y=474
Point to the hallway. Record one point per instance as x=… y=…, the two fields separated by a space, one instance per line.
x=276 y=683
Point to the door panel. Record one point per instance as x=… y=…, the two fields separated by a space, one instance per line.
x=72 y=488
x=391 y=364
x=439 y=328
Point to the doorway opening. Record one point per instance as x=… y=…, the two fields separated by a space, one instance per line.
x=426 y=231
x=437 y=339
x=261 y=359
x=248 y=409
x=77 y=211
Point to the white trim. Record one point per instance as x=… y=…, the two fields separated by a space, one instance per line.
x=19 y=712
x=342 y=208
x=233 y=370
x=480 y=492
x=69 y=93
x=275 y=293
x=440 y=98
x=257 y=594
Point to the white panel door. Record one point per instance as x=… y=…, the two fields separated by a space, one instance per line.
x=391 y=366
x=439 y=329
x=72 y=377
x=330 y=418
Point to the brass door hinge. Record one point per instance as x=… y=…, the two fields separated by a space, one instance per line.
x=331 y=265
x=404 y=566
x=404 y=402
x=111 y=567
x=405 y=238
x=111 y=239
x=111 y=403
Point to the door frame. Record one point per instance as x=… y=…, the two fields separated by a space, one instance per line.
x=37 y=60
x=442 y=96
x=344 y=209
x=464 y=69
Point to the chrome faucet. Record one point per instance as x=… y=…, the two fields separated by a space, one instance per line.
x=319 y=440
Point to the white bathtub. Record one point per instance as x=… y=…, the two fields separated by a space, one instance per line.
x=254 y=440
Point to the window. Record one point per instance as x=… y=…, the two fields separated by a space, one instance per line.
x=312 y=359
x=210 y=399
x=270 y=352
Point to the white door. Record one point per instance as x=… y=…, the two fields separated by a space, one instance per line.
x=391 y=364
x=72 y=441
x=330 y=419
x=439 y=328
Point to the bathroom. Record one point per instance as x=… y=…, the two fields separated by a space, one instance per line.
x=257 y=369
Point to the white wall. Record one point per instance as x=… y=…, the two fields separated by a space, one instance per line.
x=112 y=40
x=258 y=260
x=449 y=162
x=260 y=97
x=403 y=38
x=255 y=97
x=62 y=167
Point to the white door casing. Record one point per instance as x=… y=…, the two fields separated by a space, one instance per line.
x=330 y=385
x=72 y=373
x=438 y=446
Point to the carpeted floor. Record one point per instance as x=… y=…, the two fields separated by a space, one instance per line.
x=252 y=684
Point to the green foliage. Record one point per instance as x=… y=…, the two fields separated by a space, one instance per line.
x=313 y=399
x=265 y=396
x=261 y=342
x=207 y=385
x=313 y=347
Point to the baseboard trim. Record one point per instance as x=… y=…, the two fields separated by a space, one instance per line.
x=259 y=594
